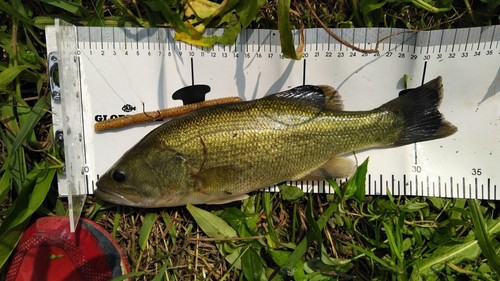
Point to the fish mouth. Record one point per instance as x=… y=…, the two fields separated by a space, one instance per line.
x=114 y=197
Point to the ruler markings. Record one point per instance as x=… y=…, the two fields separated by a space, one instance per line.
x=403 y=42
x=269 y=36
x=487 y=37
x=494 y=32
x=375 y=189
x=370 y=183
x=441 y=41
x=317 y=40
x=167 y=43
x=466 y=192
x=328 y=43
x=342 y=36
x=148 y=41
x=494 y=187
x=354 y=38
x=476 y=189
x=258 y=40
x=459 y=41
x=366 y=39
x=445 y=189
x=413 y=37
x=304 y=72
x=439 y=186
x=156 y=44
x=451 y=186
x=405 y=184
x=454 y=41
x=421 y=190
x=495 y=191
x=418 y=187
x=124 y=31
x=480 y=38
x=89 y=39
x=419 y=40
x=468 y=37
x=307 y=35
x=489 y=189
x=393 y=182
x=390 y=38
x=428 y=42
x=411 y=185
x=445 y=40
x=409 y=188
x=113 y=38
x=380 y=184
x=428 y=191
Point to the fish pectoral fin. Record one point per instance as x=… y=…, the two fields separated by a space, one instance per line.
x=334 y=168
x=229 y=199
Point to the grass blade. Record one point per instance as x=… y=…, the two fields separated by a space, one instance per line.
x=251 y=265
x=482 y=235
x=290 y=193
x=31 y=197
x=129 y=275
x=285 y=29
x=161 y=272
x=5 y=184
x=429 y=268
x=32 y=119
x=211 y=224
x=8 y=75
x=71 y=7
x=147 y=225
x=355 y=187
x=301 y=249
x=8 y=241
x=171 y=17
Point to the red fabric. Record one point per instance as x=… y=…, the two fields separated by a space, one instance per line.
x=49 y=251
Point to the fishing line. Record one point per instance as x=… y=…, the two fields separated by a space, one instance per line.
x=134 y=90
x=104 y=78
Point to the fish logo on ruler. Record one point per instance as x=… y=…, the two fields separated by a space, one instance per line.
x=135 y=65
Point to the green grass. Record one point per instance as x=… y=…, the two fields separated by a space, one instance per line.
x=286 y=236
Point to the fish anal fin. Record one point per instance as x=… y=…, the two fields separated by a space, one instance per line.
x=334 y=168
x=228 y=199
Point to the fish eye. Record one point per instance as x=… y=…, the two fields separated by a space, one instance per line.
x=118 y=176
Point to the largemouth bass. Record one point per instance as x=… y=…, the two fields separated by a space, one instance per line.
x=219 y=154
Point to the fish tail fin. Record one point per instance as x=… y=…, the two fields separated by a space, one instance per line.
x=421 y=117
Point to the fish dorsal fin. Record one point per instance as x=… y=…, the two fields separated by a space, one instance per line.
x=334 y=168
x=319 y=96
x=333 y=99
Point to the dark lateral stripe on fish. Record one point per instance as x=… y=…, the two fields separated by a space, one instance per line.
x=419 y=108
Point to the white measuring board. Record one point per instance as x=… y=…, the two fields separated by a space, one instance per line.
x=123 y=68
